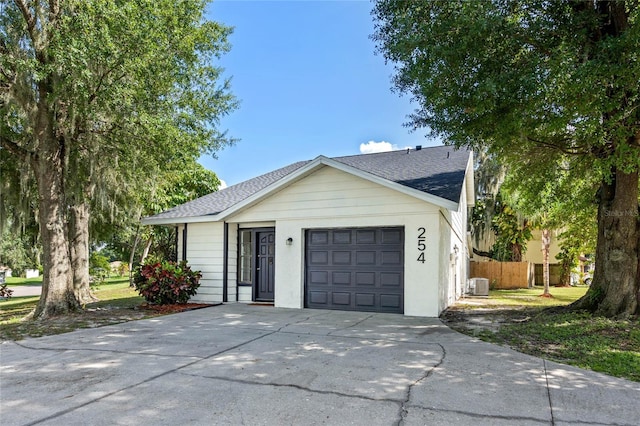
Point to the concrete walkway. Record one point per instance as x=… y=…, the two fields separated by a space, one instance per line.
x=257 y=365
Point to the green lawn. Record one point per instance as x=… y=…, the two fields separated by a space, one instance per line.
x=577 y=338
x=530 y=297
x=16 y=281
x=117 y=303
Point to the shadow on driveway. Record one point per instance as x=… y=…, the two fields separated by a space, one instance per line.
x=239 y=364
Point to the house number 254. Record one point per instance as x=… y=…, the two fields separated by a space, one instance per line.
x=421 y=244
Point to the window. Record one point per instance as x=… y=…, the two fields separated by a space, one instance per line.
x=246 y=256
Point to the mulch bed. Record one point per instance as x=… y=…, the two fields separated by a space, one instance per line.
x=175 y=308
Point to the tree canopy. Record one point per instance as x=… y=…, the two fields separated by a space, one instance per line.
x=547 y=85
x=97 y=99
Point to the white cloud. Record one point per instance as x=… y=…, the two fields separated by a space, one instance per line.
x=223 y=184
x=382 y=146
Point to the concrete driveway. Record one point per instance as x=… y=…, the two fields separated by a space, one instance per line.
x=254 y=365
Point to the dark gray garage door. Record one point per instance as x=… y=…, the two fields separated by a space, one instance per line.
x=355 y=269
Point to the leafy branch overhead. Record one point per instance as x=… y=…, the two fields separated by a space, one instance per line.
x=98 y=100
x=549 y=88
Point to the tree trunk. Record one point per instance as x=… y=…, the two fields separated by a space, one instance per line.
x=132 y=255
x=546 y=241
x=147 y=247
x=57 y=295
x=79 y=251
x=615 y=289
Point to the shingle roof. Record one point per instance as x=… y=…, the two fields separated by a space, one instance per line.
x=438 y=171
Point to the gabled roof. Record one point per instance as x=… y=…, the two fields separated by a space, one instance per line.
x=434 y=174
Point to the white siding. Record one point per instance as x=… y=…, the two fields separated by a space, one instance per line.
x=205 y=254
x=453 y=266
x=245 y=294
x=331 y=193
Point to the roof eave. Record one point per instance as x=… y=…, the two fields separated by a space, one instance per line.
x=151 y=220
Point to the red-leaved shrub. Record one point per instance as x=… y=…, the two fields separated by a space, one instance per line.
x=165 y=283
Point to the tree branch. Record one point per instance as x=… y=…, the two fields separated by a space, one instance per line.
x=552 y=145
x=54 y=9
x=14 y=148
x=29 y=18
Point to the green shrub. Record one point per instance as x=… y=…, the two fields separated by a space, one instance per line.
x=99 y=267
x=165 y=283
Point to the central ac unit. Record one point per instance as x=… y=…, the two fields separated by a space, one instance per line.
x=480 y=286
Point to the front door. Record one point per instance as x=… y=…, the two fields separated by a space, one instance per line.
x=265 y=265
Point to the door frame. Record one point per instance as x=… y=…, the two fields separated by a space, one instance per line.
x=254 y=261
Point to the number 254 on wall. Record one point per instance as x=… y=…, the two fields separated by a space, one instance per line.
x=421 y=244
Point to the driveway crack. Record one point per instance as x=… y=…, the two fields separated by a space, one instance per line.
x=546 y=378
x=405 y=403
x=357 y=323
x=35 y=348
x=293 y=386
x=150 y=379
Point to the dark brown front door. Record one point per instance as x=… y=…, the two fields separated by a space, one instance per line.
x=265 y=265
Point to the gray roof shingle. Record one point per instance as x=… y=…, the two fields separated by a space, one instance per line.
x=436 y=170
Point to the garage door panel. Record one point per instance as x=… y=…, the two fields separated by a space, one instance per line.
x=355 y=269
x=318 y=237
x=366 y=236
x=319 y=297
x=391 y=258
x=319 y=277
x=365 y=278
x=391 y=279
x=390 y=301
x=365 y=300
x=365 y=258
x=342 y=237
x=341 y=278
x=341 y=257
x=341 y=298
x=392 y=236
x=319 y=258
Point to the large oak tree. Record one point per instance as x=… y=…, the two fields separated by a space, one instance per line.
x=552 y=81
x=96 y=97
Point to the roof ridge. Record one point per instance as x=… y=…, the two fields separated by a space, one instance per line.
x=423 y=148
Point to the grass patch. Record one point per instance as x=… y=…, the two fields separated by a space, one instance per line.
x=580 y=339
x=527 y=298
x=17 y=281
x=522 y=320
x=117 y=303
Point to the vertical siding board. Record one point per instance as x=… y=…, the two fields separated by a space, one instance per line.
x=205 y=253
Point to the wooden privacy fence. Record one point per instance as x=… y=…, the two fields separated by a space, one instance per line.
x=504 y=275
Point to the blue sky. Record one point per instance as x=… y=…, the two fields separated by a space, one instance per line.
x=309 y=83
